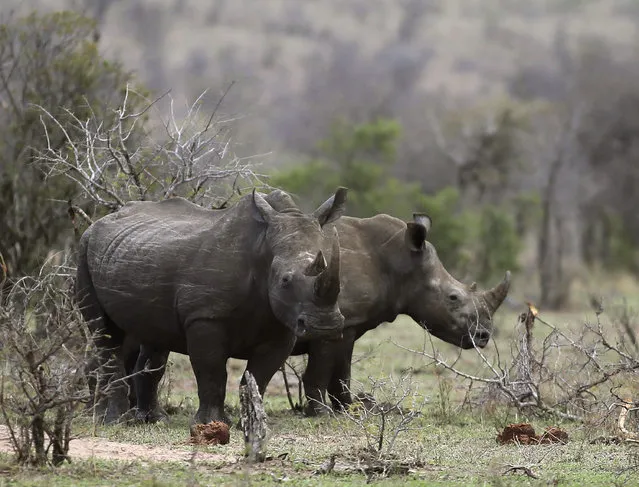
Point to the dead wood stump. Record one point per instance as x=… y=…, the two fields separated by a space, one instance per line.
x=253 y=419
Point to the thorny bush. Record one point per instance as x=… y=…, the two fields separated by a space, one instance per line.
x=577 y=376
x=45 y=349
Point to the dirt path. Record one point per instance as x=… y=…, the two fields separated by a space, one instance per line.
x=112 y=450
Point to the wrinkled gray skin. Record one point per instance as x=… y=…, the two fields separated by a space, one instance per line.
x=389 y=268
x=242 y=282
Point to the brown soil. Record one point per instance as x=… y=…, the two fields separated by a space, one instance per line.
x=213 y=433
x=84 y=448
x=524 y=434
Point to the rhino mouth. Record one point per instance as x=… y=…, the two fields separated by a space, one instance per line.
x=479 y=340
x=477 y=337
x=307 y=327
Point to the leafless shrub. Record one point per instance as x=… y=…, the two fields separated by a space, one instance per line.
x=569 y=377
x=384 y=412
x=124 y=160
x=45 y=348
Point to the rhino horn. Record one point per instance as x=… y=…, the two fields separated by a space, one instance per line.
x=327 y=284
x=317 y=266
x=495 y=296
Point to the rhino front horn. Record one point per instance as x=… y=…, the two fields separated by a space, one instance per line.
x=327 y=284
x=496 y=295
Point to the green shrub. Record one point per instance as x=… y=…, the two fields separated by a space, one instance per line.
x=498 y=244
x=50 y=61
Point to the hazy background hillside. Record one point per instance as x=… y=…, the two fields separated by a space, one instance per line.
x=296 y=62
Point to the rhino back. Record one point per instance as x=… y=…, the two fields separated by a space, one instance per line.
x=155 y=266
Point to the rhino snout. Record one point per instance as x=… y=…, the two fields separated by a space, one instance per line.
x=312 y=326
x=478 y=338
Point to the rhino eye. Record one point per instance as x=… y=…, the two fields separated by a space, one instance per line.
x=286 y=280
x=453 y=297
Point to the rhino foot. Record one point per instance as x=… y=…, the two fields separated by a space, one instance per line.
x=157 y=415
x=314 y=408
x=113 y=413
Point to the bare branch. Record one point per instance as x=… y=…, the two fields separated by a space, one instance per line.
x=117 y=161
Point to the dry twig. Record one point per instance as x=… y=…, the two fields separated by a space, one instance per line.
x=541 y=379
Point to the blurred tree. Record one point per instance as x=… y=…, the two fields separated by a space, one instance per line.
x=482 y=144
x=52 y=61
x=361 y=158
x=498 y=244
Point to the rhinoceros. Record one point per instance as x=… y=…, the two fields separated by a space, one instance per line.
x=241 y=282
x=388 y=268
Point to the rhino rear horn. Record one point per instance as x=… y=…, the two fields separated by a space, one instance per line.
x=317 y=266
x=263 y=212
x=327 y=285
x=495 y=296
x=332 y=208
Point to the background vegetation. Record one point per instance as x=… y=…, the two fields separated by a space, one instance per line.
x=522 y=115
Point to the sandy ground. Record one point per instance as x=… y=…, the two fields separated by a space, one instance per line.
x=111 y=450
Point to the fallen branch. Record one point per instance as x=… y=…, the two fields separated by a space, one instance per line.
x=626 y=435
x=253 y=419
x=525 y=470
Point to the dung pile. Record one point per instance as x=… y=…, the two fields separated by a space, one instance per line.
x=524 y=434
x=213 y=433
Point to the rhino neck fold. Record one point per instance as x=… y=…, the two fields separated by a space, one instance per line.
x=369 y=259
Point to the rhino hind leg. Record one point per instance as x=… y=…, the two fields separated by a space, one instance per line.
x=110 y=397
x=110 y=394
x=149 y=370
x=112 y=401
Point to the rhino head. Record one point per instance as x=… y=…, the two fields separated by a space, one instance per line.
x=304 y=277
x=448 y=309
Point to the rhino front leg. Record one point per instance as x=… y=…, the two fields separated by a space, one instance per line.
x=339 y=386
x=206 y=346
x=150 y=368
x=317 y=376
x=267 y=359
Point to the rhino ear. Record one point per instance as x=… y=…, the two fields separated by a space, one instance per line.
x=262 y=211
x=424 y=220
x=332 y=208
x=415 y=236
